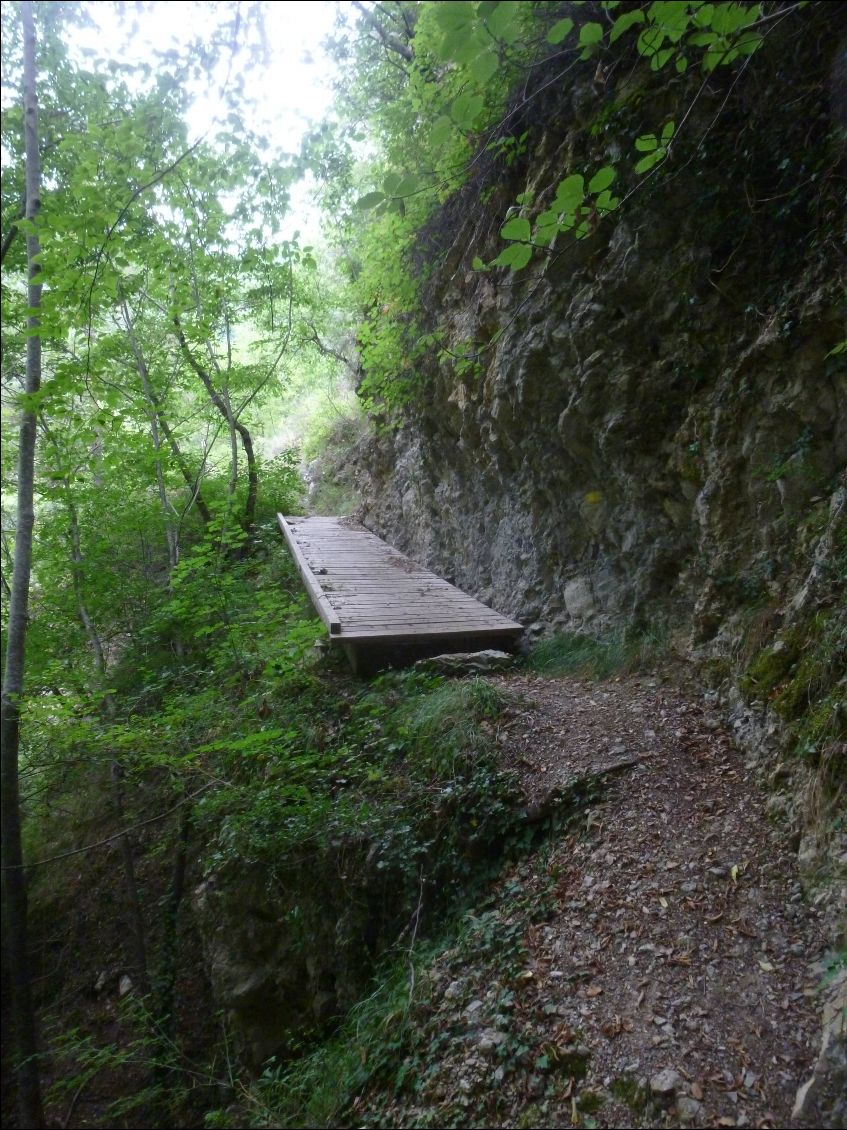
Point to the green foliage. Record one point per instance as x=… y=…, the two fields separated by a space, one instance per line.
x=390 y=1042
x=366 y=773
x=319 y=1088
x=799 y=676
x=449 y=109
x=572 y=653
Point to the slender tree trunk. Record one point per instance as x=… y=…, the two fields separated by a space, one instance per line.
x=169 y=515
x=159 y=418
x=232 y=421
x=137 y=932
x=76 y=572
x=166 y=980
x=14 y=878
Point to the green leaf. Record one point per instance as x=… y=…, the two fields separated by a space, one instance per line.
x=730 y=18
x=390 y=183
x=606 y=202
x=646 y=143
x=650 y=40
x=516 y=228
x=660 y=58
x=408 y=186
x=453 y=15
x=478 y=264
x=750 y=42
x=465 y=49
x=602 y=179
x=625 y=22
x=369 y=200
x=649 y=161
x=570 y=193
x=546 y=233
x=443 y=129
x=668 y=131
x=516 y=256
x=590 y=33
x=504 y=21
x=484 y=67
x=703 y=16
x=681 y=64
x=559 y=31
x=673 y=16
x=523 y=254
x=466 y=109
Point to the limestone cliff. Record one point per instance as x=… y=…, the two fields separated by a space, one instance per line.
x=659 y=433
x=659 y=428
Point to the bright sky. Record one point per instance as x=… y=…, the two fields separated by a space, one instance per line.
x=291 y=88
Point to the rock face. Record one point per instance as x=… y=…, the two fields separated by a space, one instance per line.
x=660 y=427
x=824 y=1095
x=273 y=986
x=260 y=976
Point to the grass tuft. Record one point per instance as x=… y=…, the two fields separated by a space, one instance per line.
x=570 y=653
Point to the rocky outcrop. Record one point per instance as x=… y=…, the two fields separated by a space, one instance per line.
x=659 y=428
x=286 y=955
x=823 y=1096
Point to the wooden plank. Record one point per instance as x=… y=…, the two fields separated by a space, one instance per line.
x=322 y=606
x=398 y=623
x=425 y=624
x=378 y=635
x=392 y=607
x=378 y=597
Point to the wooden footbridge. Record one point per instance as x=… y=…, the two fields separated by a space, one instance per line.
x=380 y=606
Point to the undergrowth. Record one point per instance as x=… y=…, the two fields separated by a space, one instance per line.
x=390 y=1043
x=379 y=805
x=571 y=653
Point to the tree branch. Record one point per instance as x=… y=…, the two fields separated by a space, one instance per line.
x=390 y=41
x=9 y=237
x=116 y=836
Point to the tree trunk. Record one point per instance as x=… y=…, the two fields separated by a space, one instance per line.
x=138 y=944
x=232 y=422
x=14 y=878
x=158 y=418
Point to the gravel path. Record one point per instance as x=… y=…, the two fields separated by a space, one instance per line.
x=670 y=979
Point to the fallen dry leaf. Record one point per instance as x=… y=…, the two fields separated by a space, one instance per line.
x=615 y=1026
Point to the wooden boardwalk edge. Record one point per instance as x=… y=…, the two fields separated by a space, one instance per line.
x=318 y=597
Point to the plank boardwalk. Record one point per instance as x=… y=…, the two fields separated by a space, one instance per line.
x=381 y=606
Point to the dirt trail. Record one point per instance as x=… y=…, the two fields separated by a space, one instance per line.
x=672 y=981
